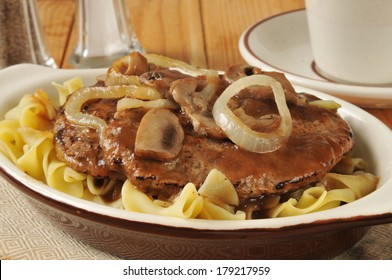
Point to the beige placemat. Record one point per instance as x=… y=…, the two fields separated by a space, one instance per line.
x=26 y=234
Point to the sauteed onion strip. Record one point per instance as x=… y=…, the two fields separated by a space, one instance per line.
x=167 y=62
x=73 y=107
x=238 y=131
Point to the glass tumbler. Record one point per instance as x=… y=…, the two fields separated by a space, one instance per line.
x=104 y=33
x=21 y=35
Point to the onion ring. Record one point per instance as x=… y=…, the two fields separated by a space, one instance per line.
x=241 y=134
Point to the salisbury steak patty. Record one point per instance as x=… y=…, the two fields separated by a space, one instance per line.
x=79 y=146
x=318 y=141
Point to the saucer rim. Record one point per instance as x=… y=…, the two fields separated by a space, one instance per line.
x=381 y=94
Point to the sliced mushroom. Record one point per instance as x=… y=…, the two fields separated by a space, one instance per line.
x=161 y=79
x=159 y=136
x=197 y=104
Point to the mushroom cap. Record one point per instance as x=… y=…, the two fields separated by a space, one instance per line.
x=197 y=104
x=159 y=136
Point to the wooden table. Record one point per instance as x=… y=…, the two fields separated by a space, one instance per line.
x=204 y=33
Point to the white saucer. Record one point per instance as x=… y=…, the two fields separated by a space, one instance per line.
x=281 y=43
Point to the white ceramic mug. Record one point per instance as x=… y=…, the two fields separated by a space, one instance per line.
x=352 y=40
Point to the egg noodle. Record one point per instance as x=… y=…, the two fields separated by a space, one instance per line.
x=26 y=138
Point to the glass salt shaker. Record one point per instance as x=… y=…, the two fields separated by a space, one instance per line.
x=21 y=35
x=104 y=33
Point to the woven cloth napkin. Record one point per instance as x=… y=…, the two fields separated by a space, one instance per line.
x=26 y=234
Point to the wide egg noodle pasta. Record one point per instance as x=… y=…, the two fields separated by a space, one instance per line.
x=102 y=188
x=343 y=188
x=40 y=162
x=187 y=204
x=87 y=195
x=11 y=144
x=96 y=189
x=361 y=183
x=37 y=146
x=63 y=178
x=67 y=88
x=312 y=200
x=35 y=111
x=212 y=211
x=27 y=141
x=348 y=165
